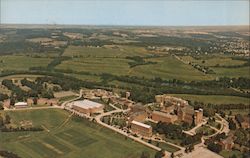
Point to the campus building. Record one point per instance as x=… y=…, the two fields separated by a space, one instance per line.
x=21 y=105
x=141 y=129
x=139 y=116
x=179 y=107
x=163 y=117
x=87 y=106
x=167 y=101
x=227 y=144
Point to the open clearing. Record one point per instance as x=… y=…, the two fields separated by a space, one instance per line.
x=16 y=63
x=202 y=152
x=214 y=99
x=77 y=138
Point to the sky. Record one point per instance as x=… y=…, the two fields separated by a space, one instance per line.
x=126 y=12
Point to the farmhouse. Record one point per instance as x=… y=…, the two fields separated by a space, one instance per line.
x=20 y=105
x=87 y=106
x=141 y=129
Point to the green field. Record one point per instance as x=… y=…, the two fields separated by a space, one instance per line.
x=116 y=66
x=206 y=130
x=232 y=72
x=166 y=147
x=214 y=99
x=120 y=51
x=219 y=60
x=13 y=62
x=76 y=138
x=228 y=154
x=113 y=61
x=169 y=68
x=214 y=60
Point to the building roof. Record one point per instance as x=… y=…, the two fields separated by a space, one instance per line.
x=228 y=140
x=161 y=113
x=188 y=109
x=21 y=104
x=87 y=104
x=140 y=124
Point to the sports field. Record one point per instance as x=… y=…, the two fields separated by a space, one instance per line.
x=75 y=138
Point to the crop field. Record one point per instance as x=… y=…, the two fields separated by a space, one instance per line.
x=75 y=138
x=22 y=62
x=169 y=68
x=214 y=60
x=117 y=66
x=214 y=99
x=113 y=60
x=114 y=51
x=233 y=72
x=93 y=60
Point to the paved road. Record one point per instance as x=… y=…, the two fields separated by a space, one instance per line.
x=98 y=120
x=192 y=131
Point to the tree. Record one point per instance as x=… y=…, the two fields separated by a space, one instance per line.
x=214 y=147
x=160 y=154
x=172 y=155
x=232 y=125
x=1 y=121
x=145 y=154
x=7 y=119
x=191 y=147
x=234 y=156
x=1 y=106
x=12 y=100
x=35 y=101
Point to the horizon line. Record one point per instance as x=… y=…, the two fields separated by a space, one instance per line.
x=120 y=25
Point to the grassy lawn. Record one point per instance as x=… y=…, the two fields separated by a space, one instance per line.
x=206 y=130
x=76 y=138
x=166 y=147
x=214 y=124
x=214 y=99
x=228 y=154
x=12 y=62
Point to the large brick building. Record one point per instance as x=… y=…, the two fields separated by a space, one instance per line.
x=178 y=106
x=163 y=117
x=141 y=129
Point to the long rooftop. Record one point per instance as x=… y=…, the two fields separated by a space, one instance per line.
x=87 y=104
x=140 y=124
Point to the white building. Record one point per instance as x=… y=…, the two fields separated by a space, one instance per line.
x=87 y=106
x=21 y=105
